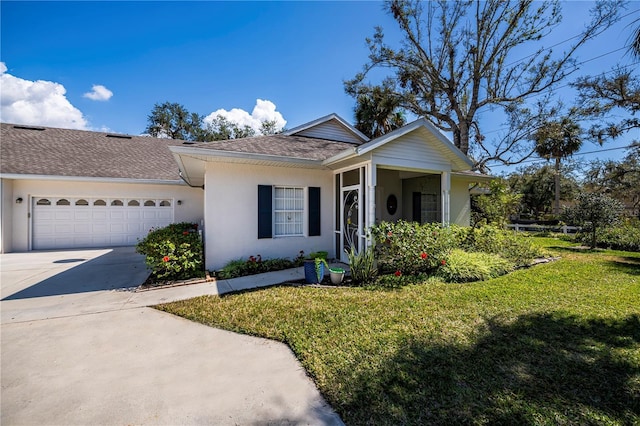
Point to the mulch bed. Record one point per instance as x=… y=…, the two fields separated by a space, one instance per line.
x=154 y=284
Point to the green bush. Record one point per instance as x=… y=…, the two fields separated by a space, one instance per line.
x=173 y=252
x=410 y=247
x=254 y=265
x=461 y=266
x=515 y=247
x=625 y=236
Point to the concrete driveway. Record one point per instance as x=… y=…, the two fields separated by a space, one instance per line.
x=78 y=347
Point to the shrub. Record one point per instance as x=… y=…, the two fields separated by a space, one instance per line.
x=410 y=247
x=461 y=266
x=593 y=212
x=515 y=247
x=362 y=265
x=173 y=252
x=625 y=236
x=254 y=265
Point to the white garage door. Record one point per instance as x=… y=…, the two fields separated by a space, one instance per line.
x=96 y=222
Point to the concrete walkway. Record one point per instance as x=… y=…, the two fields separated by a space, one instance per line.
x=79 y=346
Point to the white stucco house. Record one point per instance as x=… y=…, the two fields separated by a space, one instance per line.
x=315 y=187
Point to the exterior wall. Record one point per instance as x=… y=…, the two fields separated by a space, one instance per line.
x=6 y=214
x=388 y=182
x=411 y=151
x=191 y=209
x=460 y=206
x=331 y=130
x=231 y=212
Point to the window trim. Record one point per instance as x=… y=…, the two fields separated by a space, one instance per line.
x=304 y=211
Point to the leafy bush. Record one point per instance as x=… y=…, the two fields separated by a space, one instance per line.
x=515 y=247
x=173 y=252
x=254 y=265
x=410 y=247
x=461 y=266
x=594 y=212
x=362 y=265
x=625 y=236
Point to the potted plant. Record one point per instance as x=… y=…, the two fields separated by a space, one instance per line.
x=337 y=275
x=314 y=267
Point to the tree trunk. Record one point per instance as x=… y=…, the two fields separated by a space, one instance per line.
x=593 y=237
x=463 y=137
x=556 y=200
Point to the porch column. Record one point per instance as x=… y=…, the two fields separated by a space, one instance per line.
x=371 y=197
x=445 y=184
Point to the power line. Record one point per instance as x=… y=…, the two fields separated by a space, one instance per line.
x=540 y=159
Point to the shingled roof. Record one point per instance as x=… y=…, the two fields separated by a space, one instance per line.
x=31 y=150
x=295 y=147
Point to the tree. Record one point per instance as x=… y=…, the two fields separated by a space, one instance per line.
x=498 y=205
x=593 y=212
x=459 y=58
x=536 y=184
x=558 y=140
x=220 y=128
x=618 y=179
x=378 y=112
x=600 y=95
x=172 y=120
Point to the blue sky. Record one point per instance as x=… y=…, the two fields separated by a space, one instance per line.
x=218 y=55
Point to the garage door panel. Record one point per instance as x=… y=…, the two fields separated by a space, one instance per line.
x=93 y=222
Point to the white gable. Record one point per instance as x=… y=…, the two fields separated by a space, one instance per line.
x=413 y=149
x=330 y=127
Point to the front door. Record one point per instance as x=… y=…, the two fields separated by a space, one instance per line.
x=351 y=221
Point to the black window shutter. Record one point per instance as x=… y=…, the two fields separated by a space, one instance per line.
x=314 y=211
x=265 y=209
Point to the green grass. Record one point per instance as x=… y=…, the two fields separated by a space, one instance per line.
x=558 y=343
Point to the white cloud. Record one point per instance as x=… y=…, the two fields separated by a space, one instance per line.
x=41 y=103
x=263 y=111
x=99 y=93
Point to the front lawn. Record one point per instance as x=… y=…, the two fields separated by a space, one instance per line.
x=558 y=343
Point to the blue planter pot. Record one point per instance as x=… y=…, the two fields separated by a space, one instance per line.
x=310 y=275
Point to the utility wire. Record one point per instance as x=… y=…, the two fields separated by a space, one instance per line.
x=540 y=159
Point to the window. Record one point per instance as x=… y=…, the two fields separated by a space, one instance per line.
x=165 y=203
x=288 y=209
x=82 y=203
x=43 y=202
x=117 y=203
x=282 y=211
x=133 y=203
x=149 y=203
x=63 y=202
x=99 y=203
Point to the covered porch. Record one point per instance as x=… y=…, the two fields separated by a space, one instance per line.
x=367 y=194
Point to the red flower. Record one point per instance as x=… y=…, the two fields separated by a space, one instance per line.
x=165 y=259
x=443 y=262
x=398 y=273
x=389 y=234
x=424 y=255
x=185 y=233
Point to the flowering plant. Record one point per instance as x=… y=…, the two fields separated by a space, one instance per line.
x=173 y=252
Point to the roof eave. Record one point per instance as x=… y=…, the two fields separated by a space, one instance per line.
x=19 y=176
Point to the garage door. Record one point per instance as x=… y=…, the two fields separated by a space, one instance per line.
x=96 y=222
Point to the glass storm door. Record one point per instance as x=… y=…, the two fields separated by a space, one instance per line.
x=350 y=220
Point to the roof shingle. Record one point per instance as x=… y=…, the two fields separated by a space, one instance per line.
x=63 y=152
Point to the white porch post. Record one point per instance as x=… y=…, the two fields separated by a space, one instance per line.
x=371 y=197
x=445 y=184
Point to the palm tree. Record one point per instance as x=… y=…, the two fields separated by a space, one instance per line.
x=558 y=140
x=378 y=112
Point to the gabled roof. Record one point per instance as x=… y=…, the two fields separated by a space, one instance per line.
x=433 y=136
x=48 y=151
x=331 y=127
